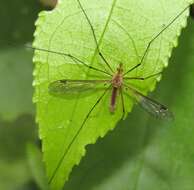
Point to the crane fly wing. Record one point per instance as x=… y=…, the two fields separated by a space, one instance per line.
x=75 y=87
x=155 y=108
x=151 y=106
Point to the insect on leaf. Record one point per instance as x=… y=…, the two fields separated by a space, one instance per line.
x=123 y=30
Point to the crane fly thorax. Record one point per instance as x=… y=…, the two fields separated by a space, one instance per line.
x=117 y=79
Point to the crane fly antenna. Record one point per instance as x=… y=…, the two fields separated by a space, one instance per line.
x=76 y=135
x=154 y=38
x=94 y=36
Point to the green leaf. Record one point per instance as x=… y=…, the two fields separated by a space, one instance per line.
x=66 y=30
x=15 y=83
x=145 y=154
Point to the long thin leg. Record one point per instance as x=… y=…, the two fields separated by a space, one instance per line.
x=68 y=55
x=142 y=78
x=156 y=36
x=90 y=67
x=133 y=68
x=60 y=53
x=76 y=135
x=123 y=103
x=94 y=36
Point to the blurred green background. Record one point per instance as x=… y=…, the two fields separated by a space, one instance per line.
x=20 y=166
x=17 y=119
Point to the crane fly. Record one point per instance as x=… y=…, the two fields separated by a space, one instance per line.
x=117 y=81
x=118 y=86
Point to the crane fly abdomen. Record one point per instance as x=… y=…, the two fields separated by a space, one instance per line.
x=113 y=99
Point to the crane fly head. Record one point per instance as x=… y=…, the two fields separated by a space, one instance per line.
x=120 y=68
